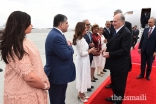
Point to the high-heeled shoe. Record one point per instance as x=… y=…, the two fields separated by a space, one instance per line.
x=82 y=100
x=95 y=78
x=102 y=72
x=87 y=97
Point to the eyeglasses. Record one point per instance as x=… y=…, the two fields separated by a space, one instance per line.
x=87 y=24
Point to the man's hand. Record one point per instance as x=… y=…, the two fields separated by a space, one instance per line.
x=139 y=51
x=69 y=43
x=91 y=44
x=106 y=54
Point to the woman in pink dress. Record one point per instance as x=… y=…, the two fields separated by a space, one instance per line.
x=25 y=81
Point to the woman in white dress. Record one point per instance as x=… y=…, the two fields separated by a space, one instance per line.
x=101 y=60
x=83 y=79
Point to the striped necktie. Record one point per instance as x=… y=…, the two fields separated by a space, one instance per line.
x=149 y=32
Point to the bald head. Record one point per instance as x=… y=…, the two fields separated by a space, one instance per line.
x=118 y=20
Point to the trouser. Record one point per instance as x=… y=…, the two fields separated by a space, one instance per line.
x=118 y=80
x=146 y=59
x=57 y=93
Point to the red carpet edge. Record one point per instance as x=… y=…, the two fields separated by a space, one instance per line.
x=97 y=91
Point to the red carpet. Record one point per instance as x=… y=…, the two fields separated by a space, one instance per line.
x=136 y=56
x=141 y=91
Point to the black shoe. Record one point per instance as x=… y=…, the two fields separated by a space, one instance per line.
x=139 y=77
x=1 y=70
x=89 y=89
x=92 y=86
x=148 y=78
x=109 y=99
x=95 y=78
x=108 y=86
x=104 y=70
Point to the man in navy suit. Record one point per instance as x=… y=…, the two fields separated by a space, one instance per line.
x=88 y=38
x=147 y=48
x=59 y=67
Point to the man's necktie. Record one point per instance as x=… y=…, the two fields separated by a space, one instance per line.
x=149 y=32
x=114 y=33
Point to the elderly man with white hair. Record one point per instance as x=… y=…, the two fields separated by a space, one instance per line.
x=126 y=24
x=118 y=58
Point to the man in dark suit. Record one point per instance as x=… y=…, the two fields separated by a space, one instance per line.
x=107 y=35
x=59 y=67
x=107 y=31
x=88 y=38
x=147 y=48
x=129 y=26
x=118 y=58
x=135 y=35
x=144 y=19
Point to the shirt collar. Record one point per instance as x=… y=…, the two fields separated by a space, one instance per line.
x=59 y=30
x=118 y=29
x=152 y=27
x=107 y=28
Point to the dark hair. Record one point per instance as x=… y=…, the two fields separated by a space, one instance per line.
x=79 y=29
x=58 y=19
x=11 y=41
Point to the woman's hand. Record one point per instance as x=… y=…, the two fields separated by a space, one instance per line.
x=91 y=44
x=47 y=85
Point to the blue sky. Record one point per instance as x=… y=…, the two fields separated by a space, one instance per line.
x=43 y=11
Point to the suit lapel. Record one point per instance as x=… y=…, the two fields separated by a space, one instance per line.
x=117 y=34
x=152 y=32
x=107 y=31
x=62 y=35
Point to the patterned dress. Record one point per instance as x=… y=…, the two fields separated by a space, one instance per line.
x=83 y=79
x=16 y=90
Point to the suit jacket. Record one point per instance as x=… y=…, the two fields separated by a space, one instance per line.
x=148 y=44
x=119 y=51
x=128 y=25
x=136 y=33
x=88 y=40
x=106 y=34
x=59 y=67
x=112 y=30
